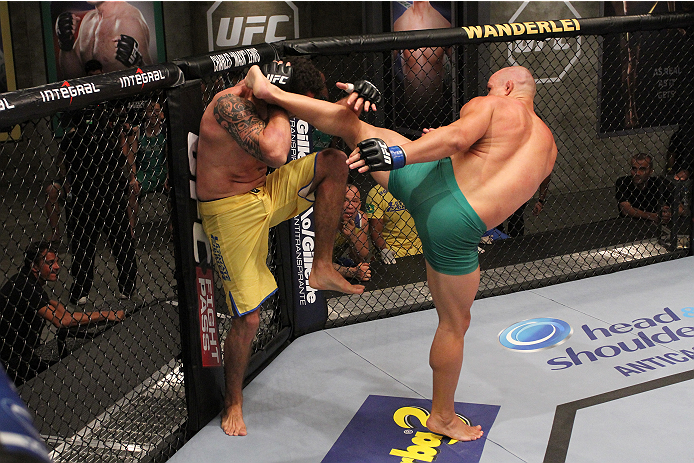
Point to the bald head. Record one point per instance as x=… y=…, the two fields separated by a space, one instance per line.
x=516 y=80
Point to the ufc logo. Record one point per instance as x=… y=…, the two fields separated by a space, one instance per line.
x=277 y=79
x=248 y=27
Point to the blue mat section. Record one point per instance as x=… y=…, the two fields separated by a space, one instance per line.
x=388 y=427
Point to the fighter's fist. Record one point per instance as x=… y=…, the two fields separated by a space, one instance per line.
x=379 y=156
x=128 y=51
x=279 y=74
x=64 y=29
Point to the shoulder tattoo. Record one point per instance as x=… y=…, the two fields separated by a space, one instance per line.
x=240 y=118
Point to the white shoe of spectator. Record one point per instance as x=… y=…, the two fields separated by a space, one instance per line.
x=82 y=300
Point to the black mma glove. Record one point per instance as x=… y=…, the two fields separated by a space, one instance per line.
x=379 y=156
x=367 y=90
x=279 y=75
x=63 y=29
x=128 y=51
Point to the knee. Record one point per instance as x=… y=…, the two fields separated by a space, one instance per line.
x=247 y=326
x=334 y=161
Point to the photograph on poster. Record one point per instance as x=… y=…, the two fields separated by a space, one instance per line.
x=423 y=75
x=643 y=81
x=117 y=34
x=7 y=76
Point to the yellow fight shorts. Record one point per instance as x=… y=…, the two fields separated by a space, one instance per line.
x=238 y=230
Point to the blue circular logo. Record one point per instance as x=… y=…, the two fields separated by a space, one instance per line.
x=535 y=334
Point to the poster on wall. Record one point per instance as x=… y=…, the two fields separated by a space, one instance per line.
x=119 y=35
x=7 y=76
x=423 y=75
x=645 y=75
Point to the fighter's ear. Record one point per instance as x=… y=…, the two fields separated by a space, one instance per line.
x=509 y=87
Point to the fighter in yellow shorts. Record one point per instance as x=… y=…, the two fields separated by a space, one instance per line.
x=241 y=136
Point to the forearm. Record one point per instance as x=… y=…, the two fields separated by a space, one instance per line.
x=630 y=211
x=377 y=234
x=360 y=244
x=437 y=144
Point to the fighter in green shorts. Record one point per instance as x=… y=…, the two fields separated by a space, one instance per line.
x=496 y=154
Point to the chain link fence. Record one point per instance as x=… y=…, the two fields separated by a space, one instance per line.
x=105 y=377
x=87 y=225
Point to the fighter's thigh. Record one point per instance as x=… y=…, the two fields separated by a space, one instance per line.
x=453 y=295
x=288 y=188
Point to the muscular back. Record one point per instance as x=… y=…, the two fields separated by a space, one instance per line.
x=101 y=26
x=504 y=168
x=239 y=139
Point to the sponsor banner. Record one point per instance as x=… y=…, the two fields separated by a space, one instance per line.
x=393 y=429
x=307 y=300
x=227 y=60
x=209 y=340
x=626 y=347
x=37 y=102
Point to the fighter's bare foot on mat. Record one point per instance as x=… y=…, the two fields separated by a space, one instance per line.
x=329 y=279
x=232 y=422
x=455 y=429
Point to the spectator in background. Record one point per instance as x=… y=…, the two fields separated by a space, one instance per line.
x=392 y=228
x=59 y=191
x=96 y=161
x=641 y=195
x=25 y=307
x=147 y=158
x=351 y=251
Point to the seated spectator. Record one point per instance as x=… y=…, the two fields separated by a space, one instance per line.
x=351 y=251
x=25 y=307
x=641 y=195
x=392 y=228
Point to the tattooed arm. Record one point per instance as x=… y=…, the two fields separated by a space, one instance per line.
x=269 y=141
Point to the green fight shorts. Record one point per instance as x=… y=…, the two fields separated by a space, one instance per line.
x=448 y=226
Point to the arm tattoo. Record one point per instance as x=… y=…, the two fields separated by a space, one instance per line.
x=240 y=118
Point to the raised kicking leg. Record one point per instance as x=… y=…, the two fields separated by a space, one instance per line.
x=329 y=186
x=453 y=296
x=237 y=352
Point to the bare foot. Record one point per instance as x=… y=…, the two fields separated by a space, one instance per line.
x=232 y=422
x=330 y=279
x=455 y=429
